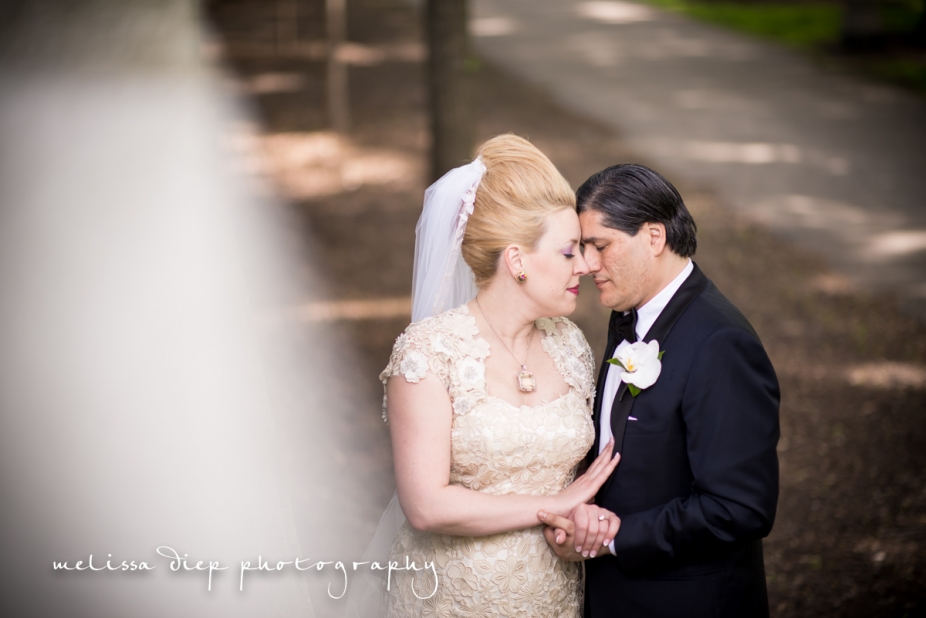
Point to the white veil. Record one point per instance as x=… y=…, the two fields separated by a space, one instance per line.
x=441 y=280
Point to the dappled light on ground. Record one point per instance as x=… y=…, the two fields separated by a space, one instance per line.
x=887 y=375
x=492 y=26
x=615 y=12
x=322 y=163
x=368 y=309
x=896 y=243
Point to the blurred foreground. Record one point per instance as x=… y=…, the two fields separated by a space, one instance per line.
x=148 y=398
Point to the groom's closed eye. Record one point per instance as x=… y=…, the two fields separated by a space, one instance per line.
x=594 y=242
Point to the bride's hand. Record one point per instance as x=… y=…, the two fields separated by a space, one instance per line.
x=595 y=528
x=587 y=533
x=584 y=488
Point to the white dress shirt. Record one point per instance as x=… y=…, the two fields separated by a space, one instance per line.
x=646 y=317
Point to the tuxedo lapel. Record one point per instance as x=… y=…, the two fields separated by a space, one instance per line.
x=623 y=402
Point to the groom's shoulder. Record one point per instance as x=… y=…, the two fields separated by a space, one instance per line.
x=712 y=311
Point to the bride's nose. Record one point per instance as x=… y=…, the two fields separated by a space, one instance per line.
x=580 y=266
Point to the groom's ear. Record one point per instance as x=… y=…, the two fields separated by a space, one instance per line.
x=657 y=237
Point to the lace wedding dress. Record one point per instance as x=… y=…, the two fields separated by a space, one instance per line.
x=496 y=448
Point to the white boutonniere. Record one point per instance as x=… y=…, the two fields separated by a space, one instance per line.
x=641 y=363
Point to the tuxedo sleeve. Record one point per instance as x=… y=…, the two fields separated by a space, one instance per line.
x=730 y=409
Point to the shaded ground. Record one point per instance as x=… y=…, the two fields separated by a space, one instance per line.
x=851 y=528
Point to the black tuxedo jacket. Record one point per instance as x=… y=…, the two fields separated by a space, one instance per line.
x=697 y=485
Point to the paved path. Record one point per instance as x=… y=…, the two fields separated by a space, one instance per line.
x=836 y=163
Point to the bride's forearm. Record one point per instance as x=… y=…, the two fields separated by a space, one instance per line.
x=463 y=512
x=420 y=424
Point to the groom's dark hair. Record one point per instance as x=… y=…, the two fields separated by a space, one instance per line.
x=629 y=195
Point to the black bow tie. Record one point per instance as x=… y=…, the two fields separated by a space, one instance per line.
x=622 y=327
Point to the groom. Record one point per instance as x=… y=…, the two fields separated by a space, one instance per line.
x=697 y=486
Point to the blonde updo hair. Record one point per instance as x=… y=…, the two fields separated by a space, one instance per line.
x=520 y=188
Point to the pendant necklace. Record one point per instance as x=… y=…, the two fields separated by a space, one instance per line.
x=526 y=382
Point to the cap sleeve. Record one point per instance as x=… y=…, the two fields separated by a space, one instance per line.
x=447 y=347
x=414 y=356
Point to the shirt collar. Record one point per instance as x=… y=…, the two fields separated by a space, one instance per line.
x=648 y=313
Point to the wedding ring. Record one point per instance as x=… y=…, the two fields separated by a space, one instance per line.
x=602 y=517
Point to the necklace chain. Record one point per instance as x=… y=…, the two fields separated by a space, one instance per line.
x=529 y=337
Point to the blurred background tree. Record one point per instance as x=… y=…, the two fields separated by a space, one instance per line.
x=449 y=84
x=861 y=23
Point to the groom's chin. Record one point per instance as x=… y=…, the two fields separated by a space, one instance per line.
x=586 y=288
x=609 y=297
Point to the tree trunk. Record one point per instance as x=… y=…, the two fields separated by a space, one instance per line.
x=861 y=24
x=338 y=88
x=449 y=85
x=919 y=35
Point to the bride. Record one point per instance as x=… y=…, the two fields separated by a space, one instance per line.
x=489 y=401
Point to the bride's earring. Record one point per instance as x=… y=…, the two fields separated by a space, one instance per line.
x=521 y=276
